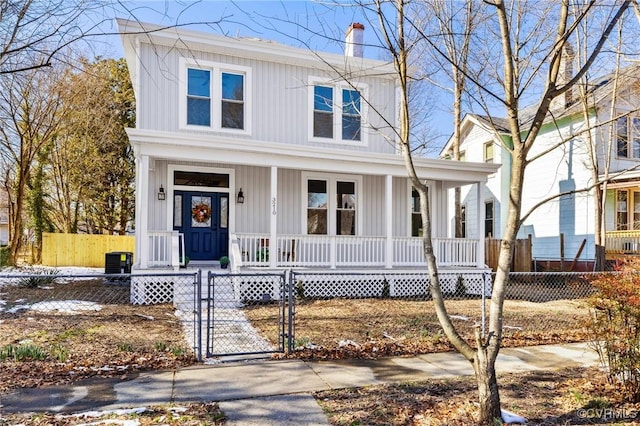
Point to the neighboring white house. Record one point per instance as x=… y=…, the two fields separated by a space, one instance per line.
x=263 y=152
x=4 y=218
x=564 y=168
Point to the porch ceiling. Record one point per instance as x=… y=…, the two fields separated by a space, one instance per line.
x=196 y=147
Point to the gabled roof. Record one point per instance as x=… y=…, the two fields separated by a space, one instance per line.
x=599 y=90
x=490 y=124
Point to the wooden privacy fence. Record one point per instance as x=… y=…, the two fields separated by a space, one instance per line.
x=522 y=256
x=86 y=250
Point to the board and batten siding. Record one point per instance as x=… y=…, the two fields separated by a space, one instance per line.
x=279 y=98
x=254 y=214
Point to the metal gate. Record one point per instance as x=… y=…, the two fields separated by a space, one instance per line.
x=248 y=314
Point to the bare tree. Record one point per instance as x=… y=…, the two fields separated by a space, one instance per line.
x=30 y=117
x=450 y=25
x=34 y=32
x=526 y=52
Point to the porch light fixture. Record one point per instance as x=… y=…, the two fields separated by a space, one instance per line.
x=161 y=194
x=240 y=198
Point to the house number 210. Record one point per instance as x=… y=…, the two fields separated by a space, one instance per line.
x=273 y=206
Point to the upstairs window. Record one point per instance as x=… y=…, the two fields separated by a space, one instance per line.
x=217 y=96
x=628 y=137
x=198 y=97
x=488 y=152
x=323 y=112
x=232 y=101
x=336 y=113
x=351 y=122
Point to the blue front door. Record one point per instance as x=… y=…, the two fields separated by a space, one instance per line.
x=203 y=218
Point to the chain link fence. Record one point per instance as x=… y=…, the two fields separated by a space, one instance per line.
x=135 y=321
x=84 y=325
x=373 y=314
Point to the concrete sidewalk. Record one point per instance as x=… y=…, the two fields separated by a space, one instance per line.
x=268 y=392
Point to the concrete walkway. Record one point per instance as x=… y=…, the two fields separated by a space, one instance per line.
x=268 y=392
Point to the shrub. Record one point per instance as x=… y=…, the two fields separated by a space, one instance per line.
x=39 y=277
x=4 y=256
x=615 y=328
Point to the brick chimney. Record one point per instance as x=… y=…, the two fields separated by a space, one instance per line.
x=354 y=40
x=565 y=73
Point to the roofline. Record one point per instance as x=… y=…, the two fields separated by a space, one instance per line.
x=171 y=145
x=254 y=48
x=467 y=120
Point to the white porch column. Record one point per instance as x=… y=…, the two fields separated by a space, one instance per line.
x=142 y=211
x=480 y=224
x=273 y=223
x=388 y=208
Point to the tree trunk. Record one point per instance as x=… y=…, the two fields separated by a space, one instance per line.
x=488 y=394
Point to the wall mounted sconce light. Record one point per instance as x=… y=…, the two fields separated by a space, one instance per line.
x=240 y=198
x=161 y=194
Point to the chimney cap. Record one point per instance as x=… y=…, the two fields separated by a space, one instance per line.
x=355 y=26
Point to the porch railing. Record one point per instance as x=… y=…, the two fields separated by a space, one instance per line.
x=339 y=251
x=622 y=242
x=166 y=248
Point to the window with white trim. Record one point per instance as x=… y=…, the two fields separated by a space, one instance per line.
x=215 y=96
x=416 y=213
x=317 y=206
x=627 y=210
x=332 y=205
x=488 y=219
x=628 y=137
x=488 y=152
x=336 y=113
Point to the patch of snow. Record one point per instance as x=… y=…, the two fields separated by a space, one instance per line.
x=63 y=306
x=459 y=317
x=511 y=418
x=343 y=343
x=134 y=422
x=97 y=414
x=511 y=327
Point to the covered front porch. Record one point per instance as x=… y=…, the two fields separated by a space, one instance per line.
x=280 y=206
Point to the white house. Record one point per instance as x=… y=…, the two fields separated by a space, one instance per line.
x=4 y=218
x=564 y=227
x=277 y=156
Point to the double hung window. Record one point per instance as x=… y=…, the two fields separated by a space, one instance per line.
x=337 y=113
x=332 y=206
x=628 y=137
x=627 y=210
x=217 y=97
x=488 y=219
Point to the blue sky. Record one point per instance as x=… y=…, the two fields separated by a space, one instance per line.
x=295 y=23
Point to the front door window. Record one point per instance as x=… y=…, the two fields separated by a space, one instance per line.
x=200 y=212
